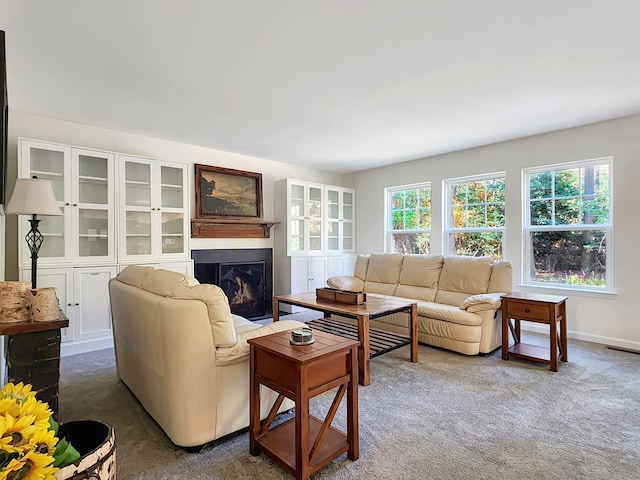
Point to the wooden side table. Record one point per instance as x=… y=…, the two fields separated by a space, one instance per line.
x=33 y=356
x=304 y=444
x=547 y=309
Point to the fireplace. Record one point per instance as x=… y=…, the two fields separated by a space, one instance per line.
x=245 y=276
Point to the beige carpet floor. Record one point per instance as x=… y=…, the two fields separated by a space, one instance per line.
x=448 y=417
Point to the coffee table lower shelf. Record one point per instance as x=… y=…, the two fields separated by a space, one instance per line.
x=279 y=444
x=380 y=341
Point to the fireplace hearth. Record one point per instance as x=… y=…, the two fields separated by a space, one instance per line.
x=245 y=276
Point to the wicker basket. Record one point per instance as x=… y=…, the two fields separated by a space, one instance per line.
x=96 y=442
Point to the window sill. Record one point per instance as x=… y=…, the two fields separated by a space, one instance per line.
x=570 y=291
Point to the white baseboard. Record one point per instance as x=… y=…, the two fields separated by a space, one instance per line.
x=73 y=348
x=587 y=337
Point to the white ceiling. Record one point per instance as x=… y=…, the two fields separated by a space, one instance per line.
x=342 y=85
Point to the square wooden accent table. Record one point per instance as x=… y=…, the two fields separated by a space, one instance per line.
x=548 y=309
x=376 y=306
x=304 y=444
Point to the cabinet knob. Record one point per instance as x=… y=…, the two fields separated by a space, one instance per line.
x=77 y=304
x=67 y=204
x=526 y=310
x=69 y=304
x=75 y=204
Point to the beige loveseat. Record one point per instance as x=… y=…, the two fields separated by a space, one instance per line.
x=458 y=297
x=184 y=355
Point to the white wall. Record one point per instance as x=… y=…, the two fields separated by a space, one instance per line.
x=608 y=319
x=44 y=128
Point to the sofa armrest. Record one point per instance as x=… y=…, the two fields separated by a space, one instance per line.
x=240 y=351
x=483 y=301
x=346 y=282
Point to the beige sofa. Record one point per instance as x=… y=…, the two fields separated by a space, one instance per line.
x=184 y=355
x=458 y=297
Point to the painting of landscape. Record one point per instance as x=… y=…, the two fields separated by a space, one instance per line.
x=224 y=192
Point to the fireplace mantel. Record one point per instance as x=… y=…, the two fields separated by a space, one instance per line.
x=227 y=228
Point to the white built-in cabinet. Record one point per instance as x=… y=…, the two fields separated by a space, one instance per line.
x=117 y=210
x=315 y=238
x=84 y=186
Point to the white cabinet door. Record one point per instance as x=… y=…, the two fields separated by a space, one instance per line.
x=51 y=162
x=91 y=309
x=308 y=273
x=154 y=219
x=304 y=218
x=93 y=206
x=340 y=210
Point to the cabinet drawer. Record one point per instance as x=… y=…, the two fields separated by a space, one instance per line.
x=528 y=310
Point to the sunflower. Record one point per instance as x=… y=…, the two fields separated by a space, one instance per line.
x=18 y=391
x=10 y=406
x=43 y=441
x=15 y=432
x=32 y=466
x=40 y=410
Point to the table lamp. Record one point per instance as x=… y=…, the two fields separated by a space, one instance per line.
x=33 y=196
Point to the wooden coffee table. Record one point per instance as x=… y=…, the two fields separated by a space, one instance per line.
x=375 y=307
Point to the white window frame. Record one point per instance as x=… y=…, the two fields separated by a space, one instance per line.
x=448 y=228
x=389 y=231
x=527 y=228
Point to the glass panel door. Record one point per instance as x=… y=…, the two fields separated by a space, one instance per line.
x=172 y=232
x=314 y=222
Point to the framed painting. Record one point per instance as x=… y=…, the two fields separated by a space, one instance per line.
x=227 y=193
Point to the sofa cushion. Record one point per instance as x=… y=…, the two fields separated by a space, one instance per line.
x=135 y=275
x=360 y=269
x=240 y=351
x=164 y=282
x=448 y=313
x=463 y=276
x=384 y=268
x=222 y=324
x=419 y=277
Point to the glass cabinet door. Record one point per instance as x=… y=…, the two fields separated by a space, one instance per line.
x=347 y=215
x=297 y=218
x=172 y=193
x=314 y=218
x=333 y=220
x=94 y=203
x=137 y=188
x=49 y=162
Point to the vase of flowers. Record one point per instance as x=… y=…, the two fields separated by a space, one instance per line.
x=32 y=445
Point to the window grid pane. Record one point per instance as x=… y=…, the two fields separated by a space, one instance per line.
x=410 y=219
x=568 y=225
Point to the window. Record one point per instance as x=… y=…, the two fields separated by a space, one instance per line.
x=409 y=218
x=568 y=224
x=475 y=215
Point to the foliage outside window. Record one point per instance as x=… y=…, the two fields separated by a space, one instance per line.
x=568 y=224
x=409 y=219
x=475 y=220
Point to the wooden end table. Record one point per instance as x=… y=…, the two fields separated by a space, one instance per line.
x=547 y=309
x=304 y=444
x=376 y=306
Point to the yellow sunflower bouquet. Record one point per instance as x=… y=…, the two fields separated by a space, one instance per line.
x=29 y=446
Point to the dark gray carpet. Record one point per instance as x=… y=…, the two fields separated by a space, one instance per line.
x=448 y=417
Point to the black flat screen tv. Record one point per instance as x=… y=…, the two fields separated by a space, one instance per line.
x=4 y=120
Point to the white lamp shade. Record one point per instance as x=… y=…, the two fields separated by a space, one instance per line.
x=33 y=196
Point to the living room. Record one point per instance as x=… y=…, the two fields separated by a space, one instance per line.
x=600 y=317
